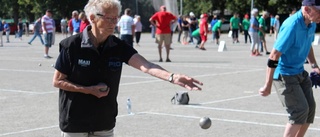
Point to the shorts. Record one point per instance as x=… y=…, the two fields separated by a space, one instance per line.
x=262 y=38
x=216 y=34
x=104 y=133
x=166 y=38
x=295 y=93
x=47 y=39
x=185 y=33
x=203 y=37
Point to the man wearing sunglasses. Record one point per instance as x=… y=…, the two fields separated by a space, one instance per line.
x=286 y=68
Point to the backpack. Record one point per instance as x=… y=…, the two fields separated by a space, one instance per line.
x=180 y=98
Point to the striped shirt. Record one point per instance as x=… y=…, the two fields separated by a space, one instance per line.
x=47 y=24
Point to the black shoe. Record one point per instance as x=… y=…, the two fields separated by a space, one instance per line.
x=168 y=60
x=160 y=60
x=267 y=53
x=29 y=43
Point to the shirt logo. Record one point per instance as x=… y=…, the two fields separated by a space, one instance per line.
x=114 y=64
x=83 y=63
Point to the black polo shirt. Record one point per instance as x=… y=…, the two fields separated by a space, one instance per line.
x=86 y=65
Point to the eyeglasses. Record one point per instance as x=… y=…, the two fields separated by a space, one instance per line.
x=315 y=9
x=108 y=19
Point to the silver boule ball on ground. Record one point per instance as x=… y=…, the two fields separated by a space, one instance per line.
x=205 y=122
x=52 y=65
x=39 y=64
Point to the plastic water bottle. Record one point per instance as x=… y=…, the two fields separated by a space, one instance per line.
x=129 y=106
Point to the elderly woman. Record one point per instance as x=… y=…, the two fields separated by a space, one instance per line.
x=253 y=32
x=88 y=72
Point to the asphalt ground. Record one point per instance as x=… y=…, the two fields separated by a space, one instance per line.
x=29 y=102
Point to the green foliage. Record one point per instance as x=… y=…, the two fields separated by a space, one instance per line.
x=239 y=6
x=32 y=9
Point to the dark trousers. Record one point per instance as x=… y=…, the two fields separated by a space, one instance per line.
x=235 y=33
x=246 y=35
x=179 y=35
x=127 y=38
x=198 y=38
x=138 y=35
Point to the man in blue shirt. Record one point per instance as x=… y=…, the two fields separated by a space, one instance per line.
x=36 y=31
x=286 y=68
x=75 y=22
x=213 y=21
x=272 y=21
x=6 y=28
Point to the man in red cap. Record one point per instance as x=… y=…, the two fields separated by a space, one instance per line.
x=163 y=20
x=245 y=27
x=203 y=30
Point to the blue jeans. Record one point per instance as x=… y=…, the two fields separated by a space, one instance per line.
x=127 y=38
x=48 y=39
x=35 y=35
x=20 y=33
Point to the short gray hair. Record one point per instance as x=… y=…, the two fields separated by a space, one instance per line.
x=96 y=6
x=75 y=12
x=254 y=11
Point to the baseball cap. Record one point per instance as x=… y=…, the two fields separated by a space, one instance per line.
x=191 y=14
x=204 y=15
x=311 y=3
x=246 y=16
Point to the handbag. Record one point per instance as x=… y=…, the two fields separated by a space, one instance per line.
x=230 y=34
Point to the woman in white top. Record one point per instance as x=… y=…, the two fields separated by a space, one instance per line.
x=276 y=26
x=138 y=28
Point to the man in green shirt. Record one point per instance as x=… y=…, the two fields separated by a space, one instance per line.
x=262 y=31
x=196 y=34
x=246 y=26
x=217 y=30
x=234 y=26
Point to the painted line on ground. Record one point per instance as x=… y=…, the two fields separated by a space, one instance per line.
x=208 y=75
x=238 y=110
x=124 y=84
x=28 y=92
x=229 y=73
x=223 y=120
x=42 y=128
x=229 y=99
x=20 y=70
x=28 y=130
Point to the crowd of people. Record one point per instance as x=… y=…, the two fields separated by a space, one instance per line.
x=189 y=27
x=252 y=26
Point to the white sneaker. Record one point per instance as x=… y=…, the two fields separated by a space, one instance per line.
x=47 y=56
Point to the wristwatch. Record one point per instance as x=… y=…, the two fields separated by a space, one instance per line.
x=315 y=65
x=170 y=79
